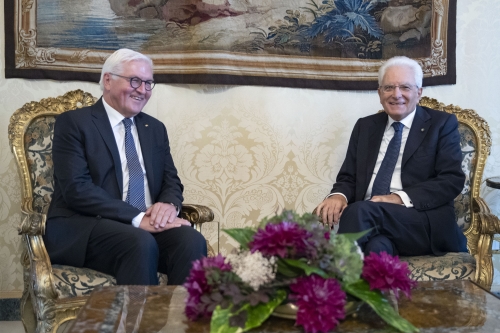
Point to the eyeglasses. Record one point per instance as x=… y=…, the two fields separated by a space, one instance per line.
x=402 y=87
x=136 y=82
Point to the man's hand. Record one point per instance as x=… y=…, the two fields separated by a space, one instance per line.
x=331 y=209
x=148 y=226
x=389 y=198
x=160 y=214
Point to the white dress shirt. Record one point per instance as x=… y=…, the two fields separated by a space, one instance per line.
x=396 y=183
x=115 y=119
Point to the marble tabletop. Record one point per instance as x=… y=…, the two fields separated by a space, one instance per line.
x=446 y=306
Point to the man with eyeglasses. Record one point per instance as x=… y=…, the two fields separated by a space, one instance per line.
x=117 y=195
x=401 y=173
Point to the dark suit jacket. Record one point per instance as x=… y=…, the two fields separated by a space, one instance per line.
x=431 y=172
x=88 y=179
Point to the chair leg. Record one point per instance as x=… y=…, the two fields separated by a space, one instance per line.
x=28 y=317
x=47 y=324
x=484 y=261
x=210 y=251
x=65 y=326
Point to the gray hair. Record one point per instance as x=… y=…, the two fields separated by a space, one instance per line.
x=115 y=62
x=402 y=61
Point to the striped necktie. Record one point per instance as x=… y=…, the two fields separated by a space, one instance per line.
x=135 y=193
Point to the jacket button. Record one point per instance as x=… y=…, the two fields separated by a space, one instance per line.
x=98 y=217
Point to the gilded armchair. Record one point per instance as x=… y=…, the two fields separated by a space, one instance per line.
x=53 y=294
x=472 y=213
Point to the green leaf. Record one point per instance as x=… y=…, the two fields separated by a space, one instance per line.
x=289 y=215
x=259 y=313
x=379 y=304
x=287 y=270
x=355 y=236
x=220 y=321
x=241 y=235
x=256 y=315
x=302 y=264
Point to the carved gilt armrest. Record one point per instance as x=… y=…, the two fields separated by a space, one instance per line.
x=489 y=225
x=198 y=214
x=36 y=262
x=33 y=224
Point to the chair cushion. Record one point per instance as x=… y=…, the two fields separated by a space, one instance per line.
x=75 y=281
x=452 y=266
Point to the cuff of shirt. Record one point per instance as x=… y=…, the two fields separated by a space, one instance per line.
x=405 y=198
x=177 y=209
x=332 y=194
x=136 y=221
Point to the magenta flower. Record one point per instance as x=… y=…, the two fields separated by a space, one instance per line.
x=320 y=301
x=284 y=239
x=385 y=272
x=197 y=285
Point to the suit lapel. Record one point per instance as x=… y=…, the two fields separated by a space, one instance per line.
x=143 y=130
x=418 y=131
x=375 y=132
x=101 y=122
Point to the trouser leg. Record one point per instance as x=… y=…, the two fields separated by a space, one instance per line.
x=406 y=228
x=178 y=248
x=129 y=254
x=379 y=243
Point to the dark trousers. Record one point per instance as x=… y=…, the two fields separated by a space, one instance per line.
x=395 y=229
x=134 y=256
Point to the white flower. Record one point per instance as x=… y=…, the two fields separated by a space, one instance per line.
x=253 y=268
x=359 y=251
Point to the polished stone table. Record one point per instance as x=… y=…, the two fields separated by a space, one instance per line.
x=445 y=306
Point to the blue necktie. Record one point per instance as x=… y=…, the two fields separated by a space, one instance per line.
x=382 y=183
x=135 y=193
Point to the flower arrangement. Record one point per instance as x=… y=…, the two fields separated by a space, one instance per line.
x=292 y=258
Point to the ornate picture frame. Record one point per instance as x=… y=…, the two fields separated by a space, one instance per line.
x=327 y=44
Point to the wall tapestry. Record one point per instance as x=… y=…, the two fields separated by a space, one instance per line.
x=328 y=44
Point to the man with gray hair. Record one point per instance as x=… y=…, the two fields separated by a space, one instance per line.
x=401 y=173
x=117 y=195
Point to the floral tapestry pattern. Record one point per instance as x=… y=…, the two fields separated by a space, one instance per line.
x=328 y=44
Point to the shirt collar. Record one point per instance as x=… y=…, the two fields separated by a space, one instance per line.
x=407 y=121
x=115 y=117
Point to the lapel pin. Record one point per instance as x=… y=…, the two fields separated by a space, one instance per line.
x=423 y=129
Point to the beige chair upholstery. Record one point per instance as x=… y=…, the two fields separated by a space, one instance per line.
x=53 y=294
x=472 y=213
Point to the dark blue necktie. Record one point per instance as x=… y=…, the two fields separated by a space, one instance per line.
x=135 y=193
x=382 y=183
